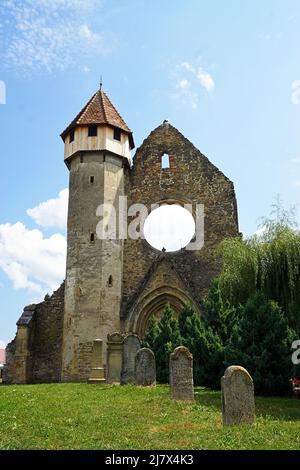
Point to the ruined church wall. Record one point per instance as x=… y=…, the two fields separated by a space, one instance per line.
x=46 y=347
x=191 y=178
x=34 y=356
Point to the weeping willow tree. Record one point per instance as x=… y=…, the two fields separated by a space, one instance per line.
x=268 y=263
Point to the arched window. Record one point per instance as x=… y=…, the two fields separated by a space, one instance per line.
x=165 y=161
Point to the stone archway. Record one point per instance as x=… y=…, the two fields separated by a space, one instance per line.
x=153 y=304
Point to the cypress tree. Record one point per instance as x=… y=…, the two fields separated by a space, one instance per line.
x=165 y=342
x=261 y=343
x=151 y=334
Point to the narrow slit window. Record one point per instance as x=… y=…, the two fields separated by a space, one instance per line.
x=110 y=281
x=165 y=161
x=92 y=237
x=72 y=135
x=117 y=133
x=93 y=129
x=92 y=179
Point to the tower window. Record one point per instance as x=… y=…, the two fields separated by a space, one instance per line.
x=92 y=237
x=165 y=161
x=110 y=281
x=117 y=133
x=93 y=128
x=92 y=179
x=72 y=135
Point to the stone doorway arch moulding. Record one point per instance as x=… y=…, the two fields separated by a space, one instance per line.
x=153 y=303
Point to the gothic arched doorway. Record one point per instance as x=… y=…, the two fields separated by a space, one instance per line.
x=153 y=304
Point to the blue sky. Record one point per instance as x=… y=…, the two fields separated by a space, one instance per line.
x=226 y=74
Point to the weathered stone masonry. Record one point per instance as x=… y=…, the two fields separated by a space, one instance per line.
x=34 y=356
x=115 y=285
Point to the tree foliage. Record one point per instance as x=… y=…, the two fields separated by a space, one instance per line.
x=252 y=312
x=270 y=265
x=163 y=337
x=261 y=343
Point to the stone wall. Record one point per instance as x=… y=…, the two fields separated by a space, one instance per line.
x=94 y=265
x=34 y=356
x=47 y=340
x=192 y=179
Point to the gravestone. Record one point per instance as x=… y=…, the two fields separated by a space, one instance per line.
x=114 y=357
x=181 y=374
x=238 y=406
x=97 y=375
x=145 y=368
x=131 y=346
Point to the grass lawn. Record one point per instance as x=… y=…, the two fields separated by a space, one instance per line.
x=83 y=416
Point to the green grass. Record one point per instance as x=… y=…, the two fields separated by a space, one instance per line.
x=83 y=416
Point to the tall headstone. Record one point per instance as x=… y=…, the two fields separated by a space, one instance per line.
x=181 y=374
x=114 y=357
x=131 y=346
x=238 y=405
x=145 y=368
x=97 y=375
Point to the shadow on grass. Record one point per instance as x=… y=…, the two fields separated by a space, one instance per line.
x=282 y=409
x=278 y=408
x=208 y=398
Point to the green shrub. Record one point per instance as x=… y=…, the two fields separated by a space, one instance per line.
x=261 y=343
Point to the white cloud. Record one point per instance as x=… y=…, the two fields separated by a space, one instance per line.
x=52 y=213
x=86 y=32
x=187 y=89
x=186 y=92
x=44 y=35
x=183 y=84
x=205 y=79
x=31 y=261
x=2 y=344
x=295 y=98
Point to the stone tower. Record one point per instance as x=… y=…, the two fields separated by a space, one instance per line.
x=97 y=151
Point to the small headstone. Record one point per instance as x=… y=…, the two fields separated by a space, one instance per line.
x=181 y=374
x=145 y=369
x=114 y=357
x=97 y=375
x=238 y=406
x=131 y=346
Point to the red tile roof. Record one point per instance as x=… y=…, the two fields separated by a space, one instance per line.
x=2 y=356
x=99 y=110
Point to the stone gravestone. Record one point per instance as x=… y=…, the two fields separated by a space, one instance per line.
x=114 y=357
x=145 y=368
x=97 y=375
x=181 y=374
x=131 y=346
x=238 y=406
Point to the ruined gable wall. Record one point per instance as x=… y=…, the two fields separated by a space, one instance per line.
x=191 y=178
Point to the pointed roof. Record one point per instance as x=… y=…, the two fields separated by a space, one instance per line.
x=99 y=110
